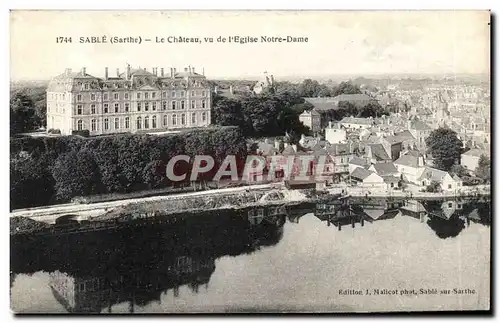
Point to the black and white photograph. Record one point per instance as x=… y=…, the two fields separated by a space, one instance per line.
x=258 y=161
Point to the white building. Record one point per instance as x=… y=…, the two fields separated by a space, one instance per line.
x=335 y=133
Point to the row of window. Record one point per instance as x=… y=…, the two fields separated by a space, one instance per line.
x=141 y=123
x=139 y=105
x=140 y=95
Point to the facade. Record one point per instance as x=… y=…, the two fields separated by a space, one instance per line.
x=335 y=133
x=312 y=119
x=470 y=159
x=133 y=101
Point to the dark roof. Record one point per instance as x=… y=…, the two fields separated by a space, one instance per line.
x=361 y=173
x=419 y=125
x=393 y=139
x=384 y=169
x=353 y=97
x=338 y=149
x=379 y=152
x=405 y=135
x=358 y=161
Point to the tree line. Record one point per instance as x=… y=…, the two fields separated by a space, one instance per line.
x=55 y=169
x=28 y=108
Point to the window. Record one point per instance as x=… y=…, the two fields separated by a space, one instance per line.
x=173 y=94
x=126 y=95
x=173 y=105
x=93 y=124
x=165 y=120
x=138 y=106
x=203 y=104
x=153 y=105
x=182 y=105
x=138 y=95
x=204 y=116
x=183 y=119
x=153 y=121
x=183 y=94
x=203 y=93
x=164 y=105
x=392 y=185
x=164 y=94
x=423 y=183
x=146 y=106
x=192 y=93
x=79 y=125
x=450 y=204
x=127 y=122
x=115 y=96
x=139 y=123
x=106 y=124
x=116 y=107
x=92 y=96
x=449 y=186
x=153 y=95
x=193 y=118
x=174 y=120
x=92 y=109
x=105 y=96
x=106 y=110
x=146 y=95
x=117 y=123
x=79 y=109
x=193 y=104
x=79 y=97
x=126 y=107
x=86 y=86
x=146 y=122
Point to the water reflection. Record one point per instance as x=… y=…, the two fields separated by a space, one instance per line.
x=91 y=272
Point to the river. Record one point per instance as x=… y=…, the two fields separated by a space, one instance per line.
x=247 y=261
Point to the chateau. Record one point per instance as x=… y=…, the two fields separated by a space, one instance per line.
x=133 y=101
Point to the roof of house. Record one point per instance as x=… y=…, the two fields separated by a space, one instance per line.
x=384 y=169
x=361 y=173
x=266 y=148
x=378 y=151
x=360 y=121
x=432 y=174
x=393 y=139
x=353 y=97
x=407 y=160
x=476 y=152
x=391 y=179
x=420 y=125
x=312 y=112
x=339 y=149
x=358 y=161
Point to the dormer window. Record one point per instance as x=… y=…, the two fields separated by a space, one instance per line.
x=86 y=86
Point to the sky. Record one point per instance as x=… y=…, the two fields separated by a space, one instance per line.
x=339 y=42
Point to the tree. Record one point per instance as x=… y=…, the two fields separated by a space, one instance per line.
x=433 y=187
x=76 y=174
x=22 y=114
x=346 y=88
x=459 y=170
x=227 y=112
x=483 y=169
x=154 y=173
x=445 y=148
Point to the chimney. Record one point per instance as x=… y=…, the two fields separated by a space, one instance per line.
x=330 y=124
x=84 y=70
x=162 y=72
x=185 y=69
x=203 y=71
x=127 y=72
x=277 y=144
x=420 y=161
x=117 y=72
x=172 y=73
x=231 y=89
x=144 y=69
x=192 y=70
x=105 y=73
x=294 y=147
x=216 y=89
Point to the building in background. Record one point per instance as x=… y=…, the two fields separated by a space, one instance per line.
x=133 y=101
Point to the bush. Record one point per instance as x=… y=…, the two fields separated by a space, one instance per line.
x=433 y=187
x=54 y=131
x=84 y=133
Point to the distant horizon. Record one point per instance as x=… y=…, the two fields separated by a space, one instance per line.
x=279 y=78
